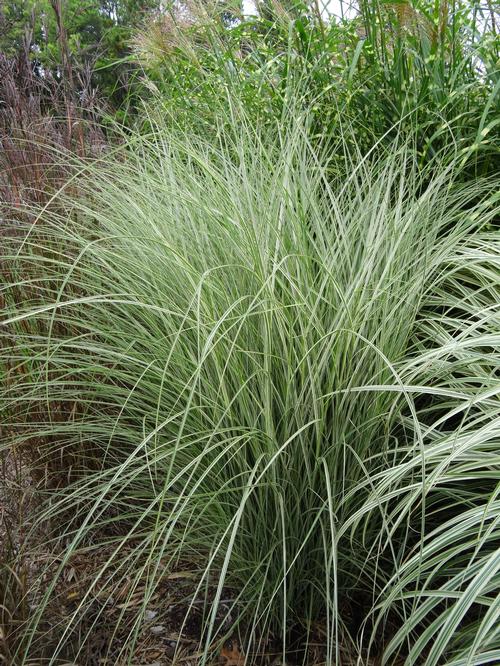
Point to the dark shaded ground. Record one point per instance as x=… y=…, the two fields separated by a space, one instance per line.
x=26 y=564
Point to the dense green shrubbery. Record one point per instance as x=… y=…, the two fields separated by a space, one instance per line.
x=82 y=44
x=428 y=70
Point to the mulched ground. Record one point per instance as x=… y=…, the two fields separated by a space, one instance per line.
x=165 y=638
x=27 y=565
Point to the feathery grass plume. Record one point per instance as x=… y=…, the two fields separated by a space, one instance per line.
x=161 y=36
x=285 y=382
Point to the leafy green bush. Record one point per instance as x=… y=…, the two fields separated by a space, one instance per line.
x=425 y=69
x=281 y=380
x=83 y=44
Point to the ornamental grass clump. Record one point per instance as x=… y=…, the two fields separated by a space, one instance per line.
x=277 y=378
